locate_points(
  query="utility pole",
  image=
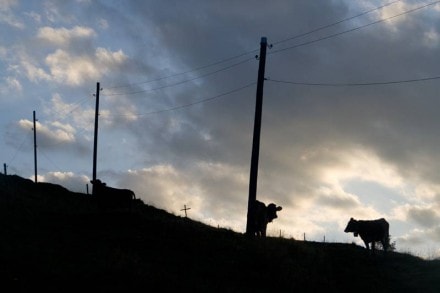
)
(35, 148)
(250, 229)
(5, 167)
(95, 141)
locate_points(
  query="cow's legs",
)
(263, 233)
(367, 245)
(385, 244)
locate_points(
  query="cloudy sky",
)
(350, 117)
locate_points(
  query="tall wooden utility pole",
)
(35, 148)
(250, 229)
(5, 168)
(95, 141)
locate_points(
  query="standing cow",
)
(264, 215)
(370, 231)
(112, 198)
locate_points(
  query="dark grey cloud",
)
(426, 217)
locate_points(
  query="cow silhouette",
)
(264, 215)
(370, 231)
(112, 198)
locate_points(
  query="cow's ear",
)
(279, 208)
(351, 219)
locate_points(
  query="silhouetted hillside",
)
(58, 240)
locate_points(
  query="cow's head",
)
(272, 210)
(97, 182)
(352, 226)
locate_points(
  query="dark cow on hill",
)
(112, 198)
(370, 231)
(264, 215)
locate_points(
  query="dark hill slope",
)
(57, 240)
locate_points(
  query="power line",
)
(354, 29)
(50, 160)
(355, 84)
(74, 107)
(189, 104)
(250, 51)
(186, 72)
(18, 149)
(181, 82)
(334, 23)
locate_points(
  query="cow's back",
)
(375, 230)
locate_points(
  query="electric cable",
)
(253, 51)
(180, 82)
(189, 104)
(354, 84)
(353, 29)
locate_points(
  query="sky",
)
(350, 124)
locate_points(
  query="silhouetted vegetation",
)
(53, 239)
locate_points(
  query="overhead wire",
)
(298, 45)
(181, 82)
(354, 84)
(353, 29)
(240, 55)
(187, 71)
(76, 105)
(25, 137)
(334, 23)
(188, 104)
(50, 160)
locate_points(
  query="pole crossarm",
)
(185, 209)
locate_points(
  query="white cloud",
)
(79, 113)
(31, 69)
(14, 84)
(73, 182)
(162, 185)
(50, 135)
(11, 86)
(360, 164)
(7, 16)
(110, 60)
(56, 12)
(75, 70)
(420, 242)
(35, 16)
(64, 37)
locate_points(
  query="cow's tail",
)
(387, 239)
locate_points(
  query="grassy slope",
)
(54, 239)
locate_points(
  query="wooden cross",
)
(185, 209)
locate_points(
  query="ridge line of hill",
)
(54, 239)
